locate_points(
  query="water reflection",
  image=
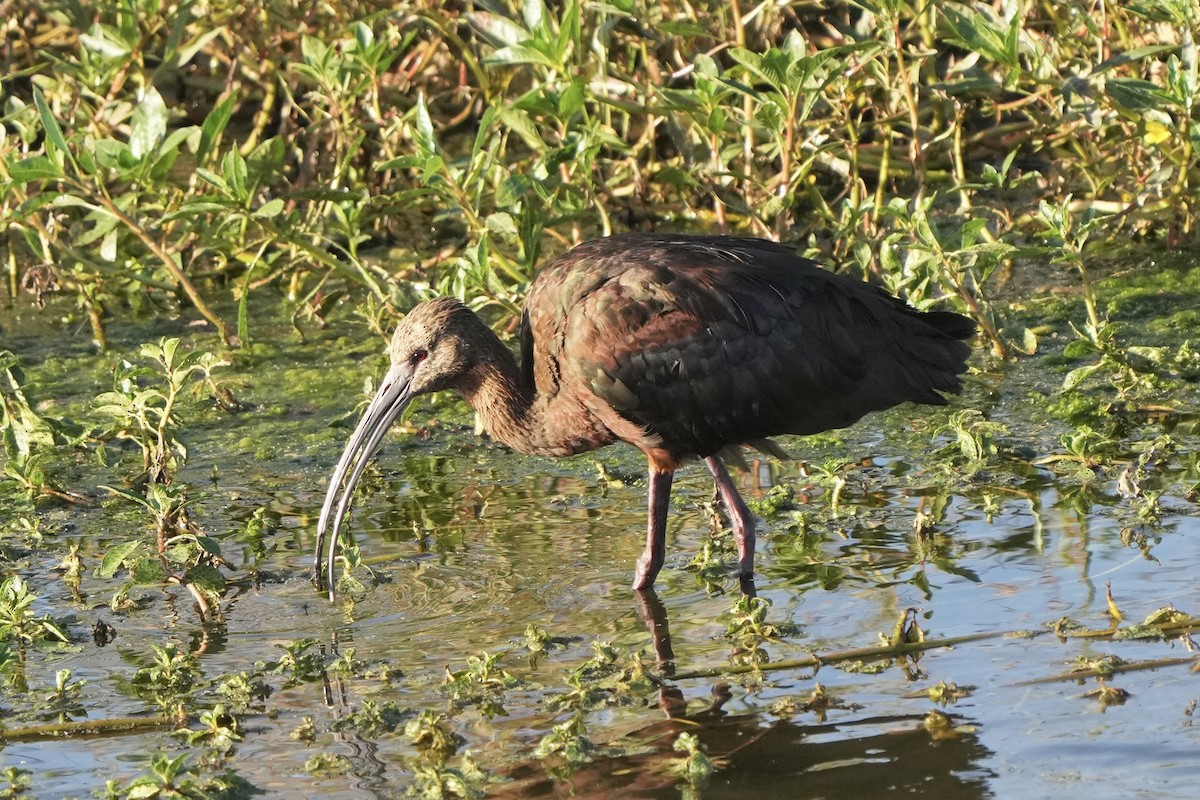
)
(766, 758)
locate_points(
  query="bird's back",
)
(708, 341)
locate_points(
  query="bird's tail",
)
(956, 326)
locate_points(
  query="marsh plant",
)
(145, 399)
(161, 163)
(18, 621)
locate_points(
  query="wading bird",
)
(683, 346)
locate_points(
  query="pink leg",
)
(651, 560)
(739, 516)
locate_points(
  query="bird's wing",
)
(705, 347)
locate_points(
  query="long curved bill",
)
(388, 403)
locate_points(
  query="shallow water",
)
(470, 544)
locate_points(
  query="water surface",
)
(471, 544)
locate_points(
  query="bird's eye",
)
(418, 356)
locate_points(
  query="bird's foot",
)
(646, 571)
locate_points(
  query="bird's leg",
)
(651, 560)
(740, 517)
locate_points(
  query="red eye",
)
(417, 357)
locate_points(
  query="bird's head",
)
(432, 350)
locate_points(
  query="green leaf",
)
(105, 224)
(206, 577)
(484, 130)
(148, 571)
(501, 223)
(314, 50)
(169, 151)
(37, 168)
(363, 35)
(569, 35)
(271, 208)
(144, 791)
(571, 100)
(980, 34)
(1078, 376)
(499, 31)
(50, 627)
(114, 558)
(112, 154)
(534, 13)
(214, 125)
(1078, 348)
(209, 545)
(194, 207)
(521, 54)
(233, 170)
(105, 41)
(148, 125)
(186, 53)
(1137, 95)
(56, 146)
(426, 139)
(970, 231)
(133, 497)
(522, 124)
(512, 189)
(1130, 56)
(674, 176)
(1029, 342)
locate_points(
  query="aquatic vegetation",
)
(298, 663)
(434, 781)
(169, 678)
(695, 766)
(482, 683)
(567, 741)
(433, 736)
(19, 622)
(243, 204)
(144, 400)
(173, 777)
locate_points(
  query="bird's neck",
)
(506, 406)
(515, 414)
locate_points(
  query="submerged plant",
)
(298, 662)
(23, 431)
(438, 781)
(244, 690)
(482, 684)
(183, 554)
(568, 741)
(219, 730)
(170, 777)
(144, 400)
(695, 766)
(373, 720)
(169, 678)
(17, 781)
(430, 733)
(19, 623)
